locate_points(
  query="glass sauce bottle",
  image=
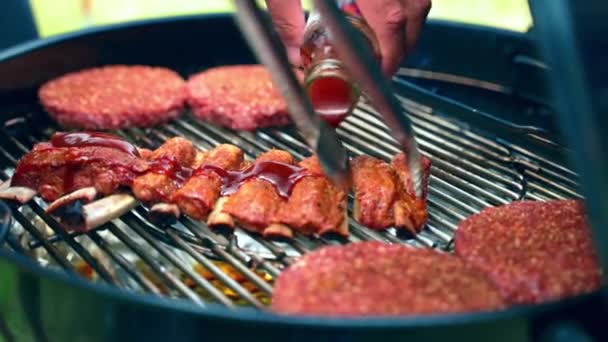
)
(332, 91)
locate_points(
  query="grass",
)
(59, 16)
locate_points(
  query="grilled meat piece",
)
(200, 193)
(375, 187)
(55, 171)
(168, 162)
(384, 196)
(410, 212)
(256, 204)
(315, 205)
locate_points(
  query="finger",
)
(388, 19)
(288, 19)
(417, 12)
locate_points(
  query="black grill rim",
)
(212, 310)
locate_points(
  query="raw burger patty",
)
(533, 251)
(241, 97)
(372, 278)
(114, 97)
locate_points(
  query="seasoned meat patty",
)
(241, 97)
(372, 278)
(533, 251)
(115, 96)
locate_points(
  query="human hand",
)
(396, 23)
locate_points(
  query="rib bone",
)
(97, 213)
(78, 197)
(164, 213)
(17, 194)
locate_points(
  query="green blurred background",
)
(59, 16)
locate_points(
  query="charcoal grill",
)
(491, 139)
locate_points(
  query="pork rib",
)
(54, 171)
(384, 195)
(159, 183)
(199, 195)
(255, 206)
(315, 206)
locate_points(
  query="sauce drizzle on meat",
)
(90, 139)
(172, 169)
(282, 176)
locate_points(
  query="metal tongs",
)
(358, 59)
(269, 49)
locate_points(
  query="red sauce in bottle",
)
(332, 99)
(86, 139)
(282, 176)
(332, 90)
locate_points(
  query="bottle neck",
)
(331, 91)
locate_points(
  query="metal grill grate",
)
(470, 171)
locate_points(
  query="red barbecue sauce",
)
(283, 177)
(90, 139)
(172, 169)
(332, 98)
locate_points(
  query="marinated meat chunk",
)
(315, 205)
(166, 174)
(55, 171)
(384, 194)
(256, 204)
(199, 195)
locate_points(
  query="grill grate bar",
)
(361, 122)
(159, 270)
(566, 174)
(216, 271)
(239, 265)
(276, 251)
(465, 197)
(134, 223)
(448, 132)
(30, 228)
(124, 263)
(465, 167)
(558, 187)
(59, 257)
